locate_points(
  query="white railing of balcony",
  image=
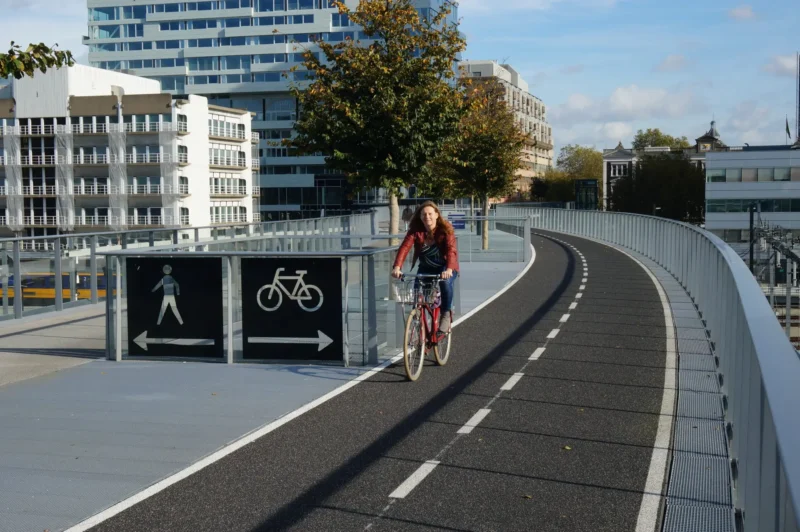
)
(37, 245)
(256, 163)
(228, 191)
(183, 189)
(228, 218)
(93, 190)
(90, 220)
(147, 189)
(149, 220)
(2, 160)
(40, 160)
(91, 158)
(39, 190)
(148, 158)
(183, 158)
(2, 220)
(256, 191)
(225, 133)
(183, 127)
(185, 219)
(2, 191)
(37, 130)
(254, 137)
(228, 162)
(40, 220)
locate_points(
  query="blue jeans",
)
(446, 287)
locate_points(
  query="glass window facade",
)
(734, 175)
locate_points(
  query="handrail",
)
(759, 365)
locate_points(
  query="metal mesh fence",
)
(65, 202)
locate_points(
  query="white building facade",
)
(85, 150)
(238, 53)
(766, 176)
(529, 111)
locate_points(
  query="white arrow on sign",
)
(142, 340)
(323, 340)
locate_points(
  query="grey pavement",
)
(79, 433)
(567, 446)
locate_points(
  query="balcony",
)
(255, 163)
(256, 191)
(91, 221)
(41, 160)
(2, 221)
(39, 190)
(228, 218)
(228, 191)
(93, 190)
(152, 158)
(150, 220)
(183, 189)
(183, 127)
(90, 159)
(185, 219)
(228, 163)
(2, 191)
(40, 220)
(147, 190)
(183, 159)
(37, 130)
(225, 133)
(254, 137)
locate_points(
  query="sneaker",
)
(444, 323)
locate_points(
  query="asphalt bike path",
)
(543, 419)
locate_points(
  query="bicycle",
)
(421, 331)
(303, 293)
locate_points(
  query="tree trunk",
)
(485, 222)
(394, 217)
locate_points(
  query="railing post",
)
(17, 280)
(175, 237)
(229, 315)
(151, 238)
(118, 306)
(58, 292)
(93, 270)
(371, 335)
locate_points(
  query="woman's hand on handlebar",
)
(397, 273)
(448, 273)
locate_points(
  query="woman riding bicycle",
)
(434, 244)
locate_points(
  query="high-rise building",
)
(84, 149)
(529, 111)
(238, 53)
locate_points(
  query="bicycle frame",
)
(277, 283)
(427, 309)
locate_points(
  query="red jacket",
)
(445, 242)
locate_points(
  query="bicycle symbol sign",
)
(308, 296)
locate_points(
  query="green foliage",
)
(483, 156)
(539, 188)
(574, 162)
(19, 63)
(560, 185)
(382, 111)
(654, 137)
(662, 184)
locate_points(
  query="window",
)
(781, 174)
(202, 43)
(749, 174)
(235, 62)
(134, 30)
(202, 24)
(269, 58)
(172, 26)
(342, 20)
(106, 32)
(100, 14)
(203, 63)
(129, 12)
(166, 8)
(715, 176)
(795, 173)
(765, 174)
(203, 80)
(266, 77)
(201, 6)
(168, 45)
(733, 175)
(172, 83)
(299, 58)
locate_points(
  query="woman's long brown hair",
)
(416, 224)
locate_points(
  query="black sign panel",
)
(175, 307)
(292, 309)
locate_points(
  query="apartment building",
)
(84, 149)
(237, 53)
(529, 111)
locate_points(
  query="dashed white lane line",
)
(553, 333)
(474, 421)
(416, 477)
(578, 295)
(573, 305)
(510, 383)
(564, 318)
(584, 279)
(536, 354)
(582, 287)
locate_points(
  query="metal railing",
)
(93, 190)
(77, 252)
(256, 191)
(40, 220)
(759, 368)
(226, 133)
(183, 189)
(49, 190)
(228, 191)
(254, 137)
(256, 163)
(3, 190)
(228, 162)
(228, 218)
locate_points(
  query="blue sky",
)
(605, 68)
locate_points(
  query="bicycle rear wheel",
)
(441, 351)
(414, 345)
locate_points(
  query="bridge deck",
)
(565, 446)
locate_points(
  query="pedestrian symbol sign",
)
(174, 307)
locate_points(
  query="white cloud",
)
(744, 12)
(672, 63)
(782, 65)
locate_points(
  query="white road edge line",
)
(249, 438)
(416, 477)
(553, 333)
(536, 354)
(511, 382)
(573, 305)
(474, 421)
(564, 318)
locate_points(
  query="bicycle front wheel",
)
(441, 351)
(414, 345)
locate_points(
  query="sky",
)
(604, 68)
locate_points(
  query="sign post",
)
(175, 307)
(292, 309)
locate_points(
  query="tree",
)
(482, 157)
(654, 137)
(665, 185)
(384, 110)
(580, 162)
(539, 188)
(560, 185)
(19, 63)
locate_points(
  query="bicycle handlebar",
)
(437, 277)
